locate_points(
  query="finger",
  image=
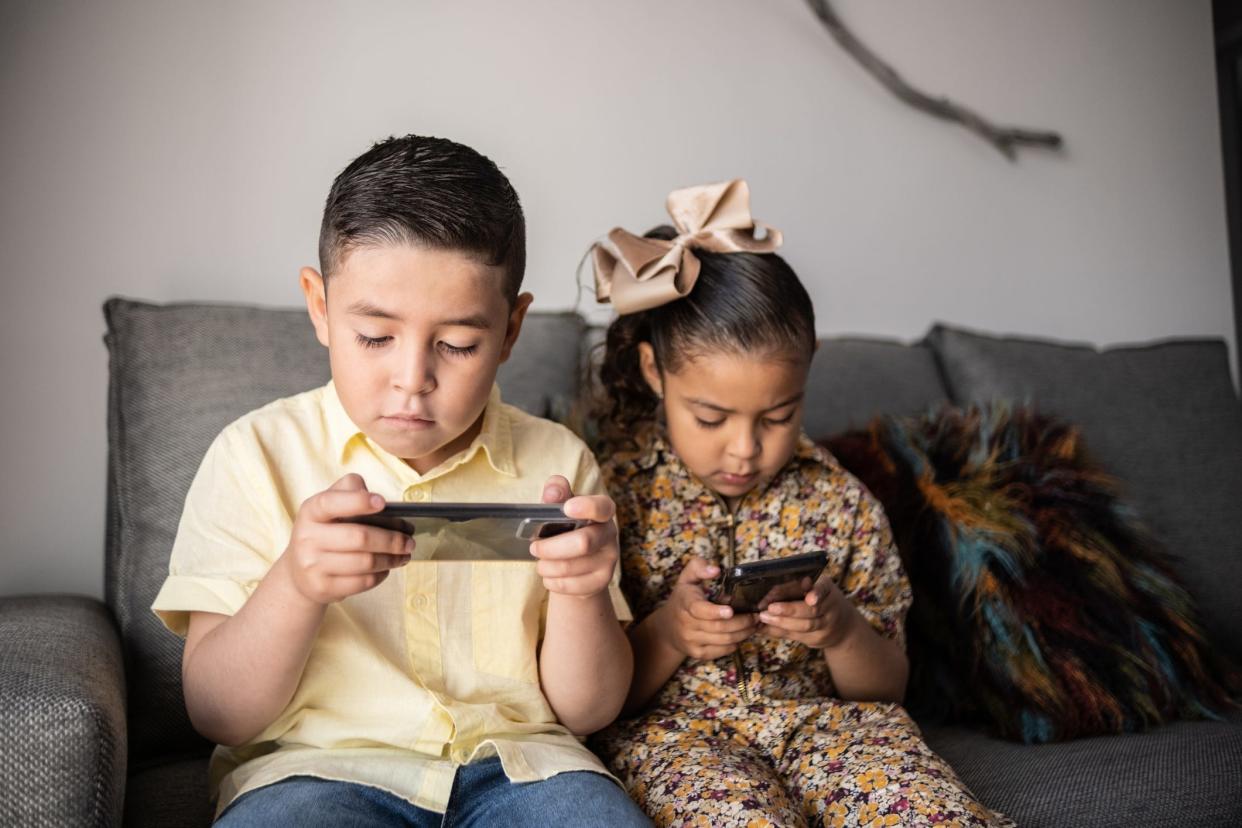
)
(582, 542)
(353, 584)
(705, 610)
(739, 623)
(697, 570)
(556, 490)
(795, 609)
(718, 639)
(358, 537)
(345, 564)
(793, 625)
(595, 508)
(572, 567)
(333, 504)
(823, 588)
(349, 483)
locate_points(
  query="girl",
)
(791, 715)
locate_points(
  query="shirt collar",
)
(495, 438)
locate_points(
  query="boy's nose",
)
(415, 375)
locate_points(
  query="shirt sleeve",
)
(588, 480)
(228, 536)
(875, 581)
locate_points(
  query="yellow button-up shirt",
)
(436, 666)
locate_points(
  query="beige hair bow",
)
(636, 273)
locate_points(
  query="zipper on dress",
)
(739, 665)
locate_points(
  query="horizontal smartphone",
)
(750, 587)
(473, 531)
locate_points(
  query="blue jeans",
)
(482, 796)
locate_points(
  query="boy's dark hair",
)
(429, 192)
(742, 303)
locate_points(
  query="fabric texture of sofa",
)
(93, 729)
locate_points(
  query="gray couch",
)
(93, 730)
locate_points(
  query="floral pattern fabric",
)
(759, 737)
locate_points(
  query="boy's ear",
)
(514, 327)
(650, 371)
(316, 302)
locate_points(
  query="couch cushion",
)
(170, 794)
(1162, 417)
(1182, 774)
(178, 374)
(852, 379)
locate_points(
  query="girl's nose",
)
(745, 444)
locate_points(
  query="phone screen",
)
(751, 587)
(473, 531)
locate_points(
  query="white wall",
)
(182, 150)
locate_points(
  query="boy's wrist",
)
(591, 601)
(280, 578)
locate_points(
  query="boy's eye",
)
(708, 423)
(372, 341)
(458, 350)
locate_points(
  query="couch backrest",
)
(853, 379)
(178, 374)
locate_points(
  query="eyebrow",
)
(365, 308)
(704, 403)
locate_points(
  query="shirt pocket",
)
(506, 611)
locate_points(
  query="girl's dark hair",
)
(742, 303)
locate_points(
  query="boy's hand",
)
(822, 619)
(580, 562)
(328, 560)
(697, 627)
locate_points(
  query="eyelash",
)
(710, 424)
(452, 350)
(372, 341)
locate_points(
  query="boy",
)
(344, 684)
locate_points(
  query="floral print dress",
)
(759, 737)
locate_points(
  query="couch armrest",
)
(62, 713)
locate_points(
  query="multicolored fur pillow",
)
(1042, 608)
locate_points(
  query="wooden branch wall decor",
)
(1006, 139)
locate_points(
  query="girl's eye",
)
(709, 423)
(779, 422)
(457, 351)
(372, 341)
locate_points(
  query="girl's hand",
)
(822, 619)
(580, 562)
(696, 627)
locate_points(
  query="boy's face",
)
(415, 336)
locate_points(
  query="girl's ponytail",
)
(625, 401)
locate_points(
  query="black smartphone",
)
(751, 587)
(473, 531)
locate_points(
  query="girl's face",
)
(733, 419)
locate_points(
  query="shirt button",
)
(416, 494)
(420, 601)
